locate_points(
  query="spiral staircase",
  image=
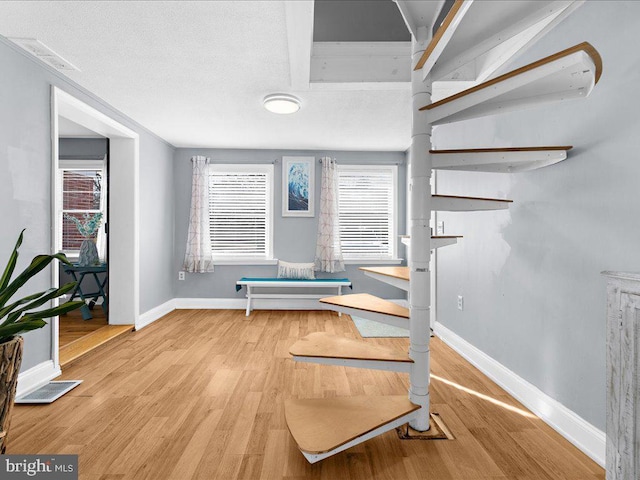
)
(475, 39)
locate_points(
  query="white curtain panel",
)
(199, 258)
(328, 249)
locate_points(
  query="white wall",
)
(25, 177)
(534, 299)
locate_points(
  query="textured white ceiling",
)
(195, 73)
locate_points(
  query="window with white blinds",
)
(367, 205)
(83, 193)
(241, 211)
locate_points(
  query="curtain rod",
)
(277, 160)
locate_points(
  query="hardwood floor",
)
(73, 327)
(78, 337)
(199, 394)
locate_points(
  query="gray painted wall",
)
(25, 176)
(294, 238)
(358, 21)
(534, 297)
(89, 148)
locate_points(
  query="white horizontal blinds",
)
(82, 194)
(239, 211)
(366, 202)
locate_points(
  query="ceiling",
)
(195, 72)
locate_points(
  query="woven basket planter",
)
(10, 359)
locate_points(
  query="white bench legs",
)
(252, 284)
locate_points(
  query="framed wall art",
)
(298, 179)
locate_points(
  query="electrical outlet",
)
(440, 228)
(460, 302)
(181, 276)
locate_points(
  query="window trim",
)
(268, 169)
(393, 234)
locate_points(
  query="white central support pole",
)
(420, 251)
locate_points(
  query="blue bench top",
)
(316, 281)
(271, 279)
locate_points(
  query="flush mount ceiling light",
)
(281, 103)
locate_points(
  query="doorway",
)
(120, 240)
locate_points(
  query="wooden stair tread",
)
(438, 237)
(325, 345)
(584, 46)
(368, 303)
(396, 272)
(571, 73)
(503, 149)
(474, 198)
(498, 160)
(485, 35)
(320, 425)
(436, 241)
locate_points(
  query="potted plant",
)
(18, 316)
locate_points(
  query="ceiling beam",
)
(299, 15)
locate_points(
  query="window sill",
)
(374, 261)
(245, 261)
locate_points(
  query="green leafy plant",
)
(18, 317)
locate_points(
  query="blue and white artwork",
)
(297, 186)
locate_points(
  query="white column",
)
(420, 251)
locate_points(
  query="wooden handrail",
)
(507, 149)
(584, 46)
(474, 198)
(446, 23)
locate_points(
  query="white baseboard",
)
(589, 439)
(155, 313)
(256, 304)
(35, 377)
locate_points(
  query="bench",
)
(335, 284)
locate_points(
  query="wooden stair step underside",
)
(325, 426)
(395, 276)
(370, 307)
(452, 203)
(436, 242)
(401, 273)
(324, 348)
(571, 73)
(498, 160)
(477, 37)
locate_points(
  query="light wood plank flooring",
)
(72, 326)
(199, 394)
(78, 337)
